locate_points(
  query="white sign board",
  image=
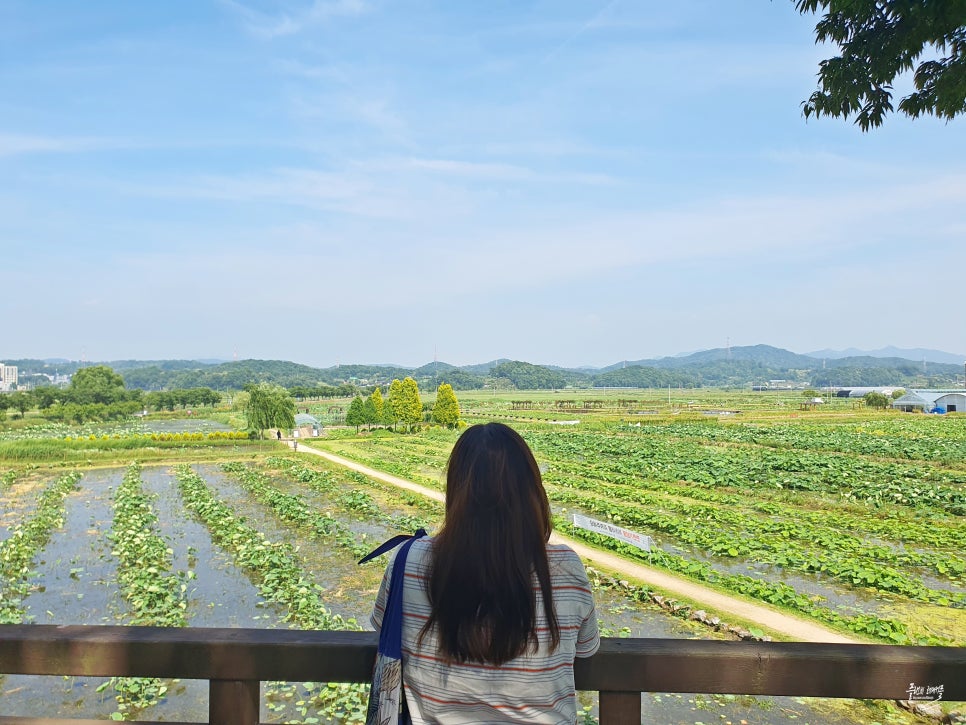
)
(641, 541)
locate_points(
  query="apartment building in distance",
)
(8, 377)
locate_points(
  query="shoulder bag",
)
(387, 703)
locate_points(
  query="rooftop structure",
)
(928, 401)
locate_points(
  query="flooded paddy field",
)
(18, 501)
(75, 581)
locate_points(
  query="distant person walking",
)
(279, 434)
(493, 615)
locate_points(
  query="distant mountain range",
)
(720, 367)
(915, 353)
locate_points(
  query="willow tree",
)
(269, 406)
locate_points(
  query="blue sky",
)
(572, 182)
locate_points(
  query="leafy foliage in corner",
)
(881, 40)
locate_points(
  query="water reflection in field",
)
(76, 584)
(18, 501)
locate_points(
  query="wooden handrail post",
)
(620, 708)
(233, 702)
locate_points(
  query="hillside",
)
(719, 367)
(915, 353)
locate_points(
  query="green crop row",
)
(737, 530)
(914, 438)
(876, 483)
(868, 523)
(353, 499)
(294, 510)
(218, 435)
(26, 540)
(275, 570)
(382, 454)
(144, 559)
(156, 596)
(893, 523)
(772, 592)
(85, 449)
(658, 468)
(831, 555)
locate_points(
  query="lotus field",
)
(857, 523)
(860, 525)
(267, 544)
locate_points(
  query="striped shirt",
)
(533, 688)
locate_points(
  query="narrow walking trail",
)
(772, 619)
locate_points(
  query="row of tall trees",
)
(94, 393)
(304, 392)
(402, 406)
(99, 393)
(181, 397)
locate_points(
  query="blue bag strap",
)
(390, 633)
(391, 544)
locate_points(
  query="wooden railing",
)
(236, 661)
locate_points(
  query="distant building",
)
(8, 377)
(861, 392)
(927, 401)
(308, 426)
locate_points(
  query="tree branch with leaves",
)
(879, 40)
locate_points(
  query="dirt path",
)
(772, 619)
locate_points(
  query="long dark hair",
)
(492, 543)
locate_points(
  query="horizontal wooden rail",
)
(236, 661)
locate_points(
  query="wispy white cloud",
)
(594, 21)
(354, 191)
(290, 22)
(300, 69)
(776, 231)
(541, 146)
(374, 111)
(504, 172)
(300, 187)
(18, 144)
